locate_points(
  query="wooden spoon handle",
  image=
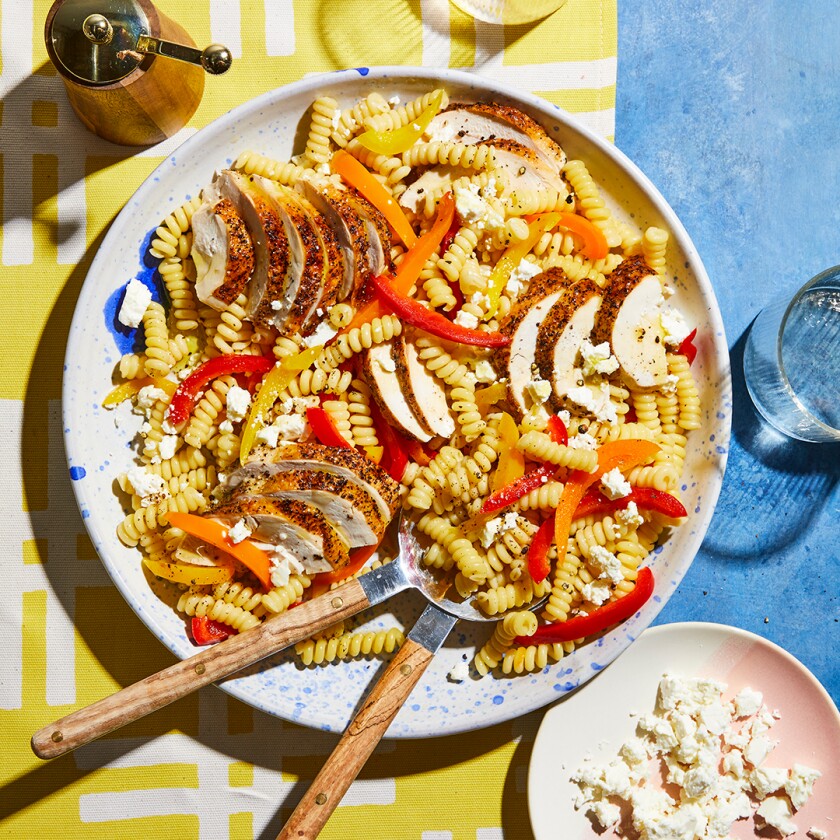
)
(358, 742)
(220, 660)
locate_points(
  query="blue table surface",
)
(732, 108)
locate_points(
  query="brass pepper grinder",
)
(116, 60)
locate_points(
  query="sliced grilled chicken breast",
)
(264, 461)
(567, 324)
(289, 306)
(222, 251)
(300, 529)
(349, 229)
(273, 249)
(435, 181)
(422, 390)
(349, 509)
(379, 366)
(523, 169)
(629, 319)
(482, 121)
(522, 324)
(379, 244)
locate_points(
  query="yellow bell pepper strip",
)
(399, 140)
(595, 244)
(511, 463)
(215, 533)
(513, 256)
(187, 574)
(411, 265)
(414, 313)
(206, 631)
(186, 395)
(272, 386)
(622, 454)
(134, 386)
(599, 619)
(374, 453)
(645, 498)
(355, 174)
(325, 429)
(486, 397)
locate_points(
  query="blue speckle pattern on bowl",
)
(98, 442)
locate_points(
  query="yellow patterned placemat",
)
(208, 766)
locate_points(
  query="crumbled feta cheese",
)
(583, 440)
(276, 305)
(167, 428)
(484, 372)
(137, 299)
(630, 516)
(459, 672)
(598, 403)
(473, 209)
(322, 334)
(606, 813)
(167, 446)
(149, 395)
(776, 812)
(521, 277)
(300, 404)
(606, 564)
(757, 750)
(466, 319)
(800, 784)
(267, 435)
(147, 485)
(767, 780)
(596, 592)
(386, 363)
(669, 386)
(226, 427)
(674, 327)
(614, 485)
(240, 531)
(290, 427)
(539, 390)
(238, 402)
(816, 833)
(597, 358)
(283, 565)
(733, 763)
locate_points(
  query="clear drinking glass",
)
(509, 11)
(792, 361)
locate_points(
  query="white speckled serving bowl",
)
(98, 441)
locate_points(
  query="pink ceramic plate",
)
(596, 720)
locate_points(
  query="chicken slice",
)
(422, 390)
(222, 251)
(482, 121)
(300, 529)
(523, 169)
(350, 464)
(274, 251)
(379, 244)
(379, 366)
(522, 324)
(629, 319)
(562, 331)
(348, 508)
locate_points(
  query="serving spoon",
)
(273, 635)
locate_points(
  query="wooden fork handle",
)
(220, 660)
(358, 742)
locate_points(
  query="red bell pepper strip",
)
(582, 626)
(450, 234)
(355, 174)
(557, 430)
(541, 543)
(206, 631)
(414, 313)
(411, 265)
(646, 498)
(325, 429)
(214, 533)
(620, 453)
(186, 395)
(357, 559)
(395, 458)
(687, 347)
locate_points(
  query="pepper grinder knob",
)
(216, 59)
(98, 29)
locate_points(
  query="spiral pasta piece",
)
(166, 237)
(654, 244)
(522, 659)
(252, 163)
(452, 262)
(349, 646)
(320, 127)
(545, 497)
(279, 598)
(339, 412)
(340, 315)
(233, 333)
(540, 447)
(688, 396)
(514, 624)
(449, 154)
(433, 478)
(589, 199)
(159, 360)
(403, 115)
(350, 120)
(148, 518)
(392, 169)
(201, 604)
(469, 561)
(183, 461)
(510, 596)
(180, 292)
(361, 420)
(202, 425)
(563, 591)
(378, 331)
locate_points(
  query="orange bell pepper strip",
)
(622, 454)
(401, 139)
(595, 244)
(134, 386)
(357, 176)
(357, 559)
(214, 533)
(511, 465)
(411, 265)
